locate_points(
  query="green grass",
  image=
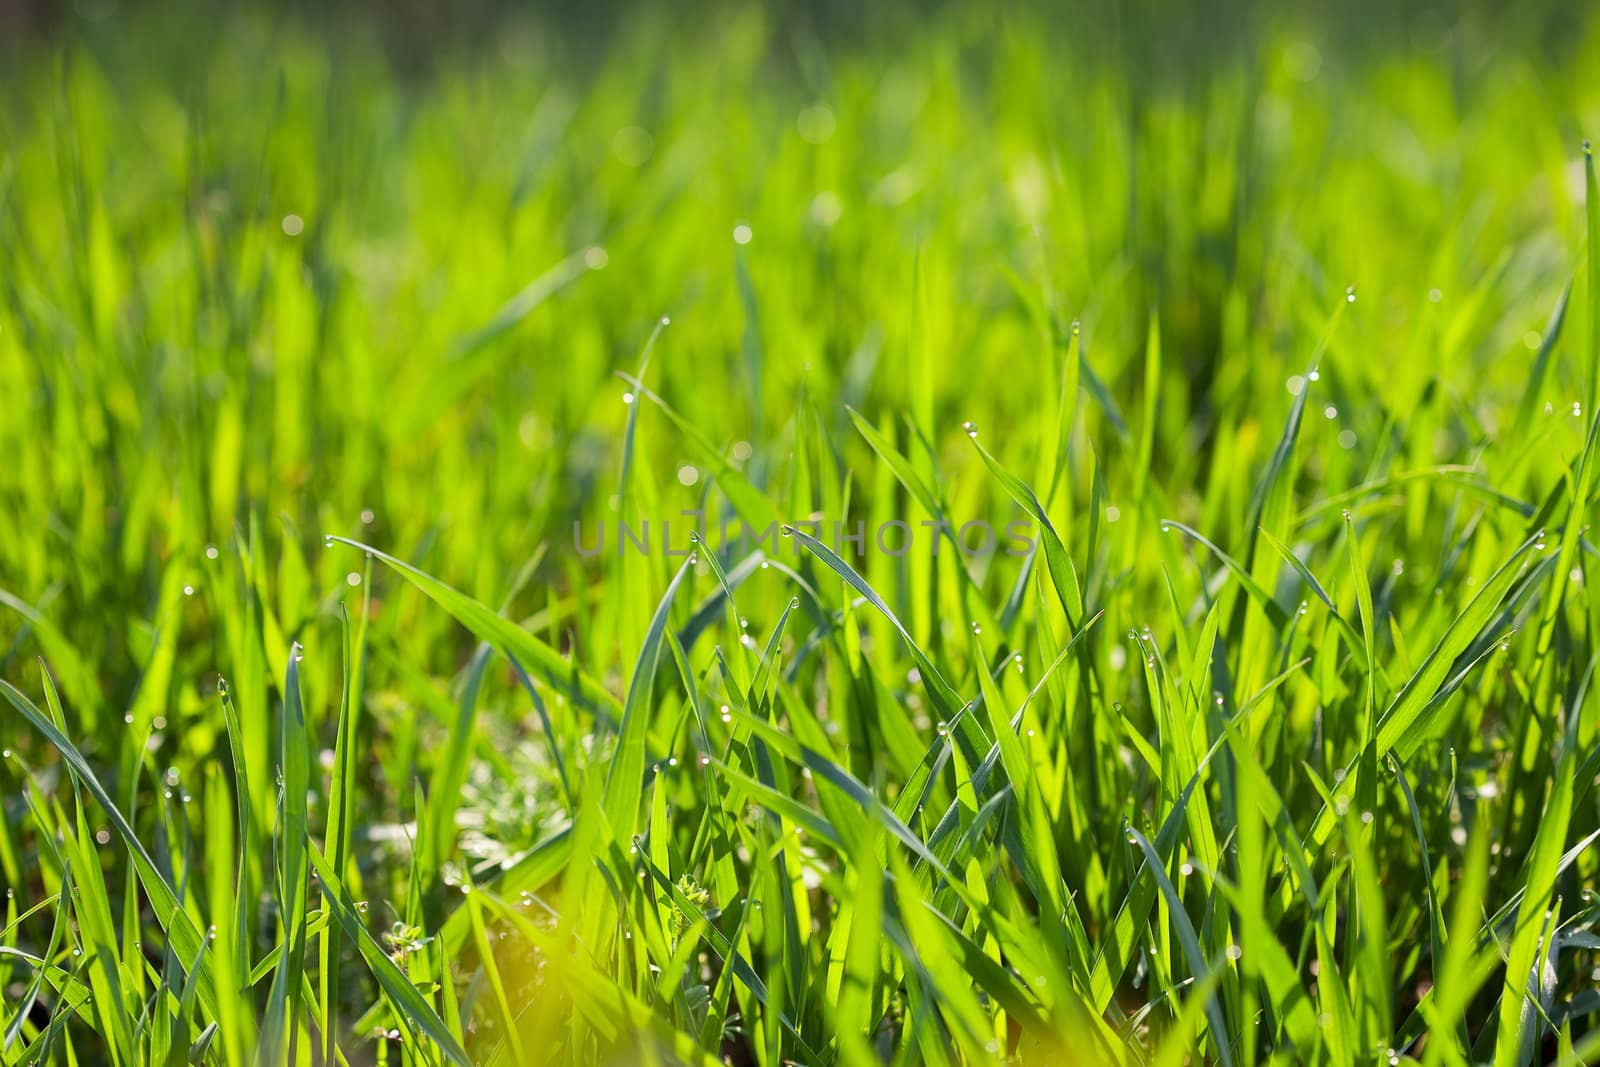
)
(326, 743)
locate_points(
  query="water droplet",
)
(627, 398)
(941, 728)
(742, 234)
(353, 578)
(1315, 375)
(976, 629)
(211, 552)
(970, 428)
(1350, 294)
(666, 320)
(188, 590)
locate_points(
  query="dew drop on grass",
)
(970, 428)
(353, 578)
(1315, 375)
(1350, 294)
(627, 398)
(976, 629)
(188, 590)
(211, 552)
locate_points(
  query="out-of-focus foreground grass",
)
(1275, 330)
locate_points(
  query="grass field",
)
(344, 722)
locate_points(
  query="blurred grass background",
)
(1229, 175)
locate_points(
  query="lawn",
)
(920, 534)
